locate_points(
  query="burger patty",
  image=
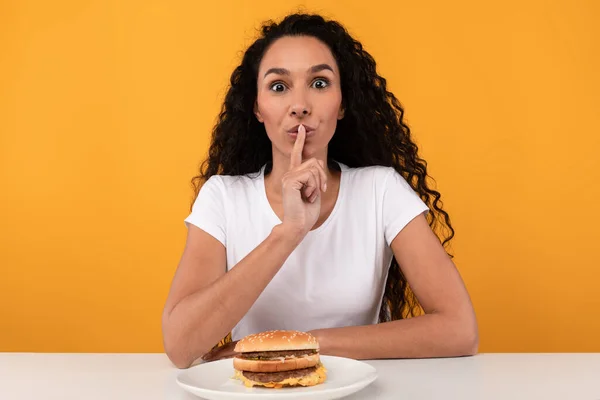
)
(273, 354)
(266, 377)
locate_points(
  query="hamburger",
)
(276, 359)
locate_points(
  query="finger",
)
(321, 167)
(316, 178)
(225, 351)
(219, 356)
(303, 181)
(296, 156)
(299, 180)
(314, 196)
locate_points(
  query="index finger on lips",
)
(296, 156)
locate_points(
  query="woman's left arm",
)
(447, 329)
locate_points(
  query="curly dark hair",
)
(372, 132)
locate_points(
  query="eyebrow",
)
(313, 70)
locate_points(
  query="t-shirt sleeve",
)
(401, 204)
(208, 211)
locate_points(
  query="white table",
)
(152, 377)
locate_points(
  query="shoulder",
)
(376, 174)
(380, 181)
(232, 183)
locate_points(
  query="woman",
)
(313, 212)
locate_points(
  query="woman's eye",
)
(278, 87)
(320, 83)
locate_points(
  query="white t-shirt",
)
(336, 276)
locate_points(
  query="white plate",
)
(213, 381)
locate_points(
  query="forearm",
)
(203, 318)
(430, 335)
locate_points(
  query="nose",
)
(300, 110)
(300, 106)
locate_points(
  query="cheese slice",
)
(314, 378)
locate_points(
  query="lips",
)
(295, 129)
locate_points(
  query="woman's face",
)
(299, 83)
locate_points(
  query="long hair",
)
(372, 132)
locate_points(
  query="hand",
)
(302, 186)
(221, 352)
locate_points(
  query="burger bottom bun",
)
(289, 364)
(314, 378)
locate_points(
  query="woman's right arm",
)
(205, 303)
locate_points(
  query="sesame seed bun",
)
(277, 340)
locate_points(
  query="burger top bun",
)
(277, 341)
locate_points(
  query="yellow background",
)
(105, 114)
